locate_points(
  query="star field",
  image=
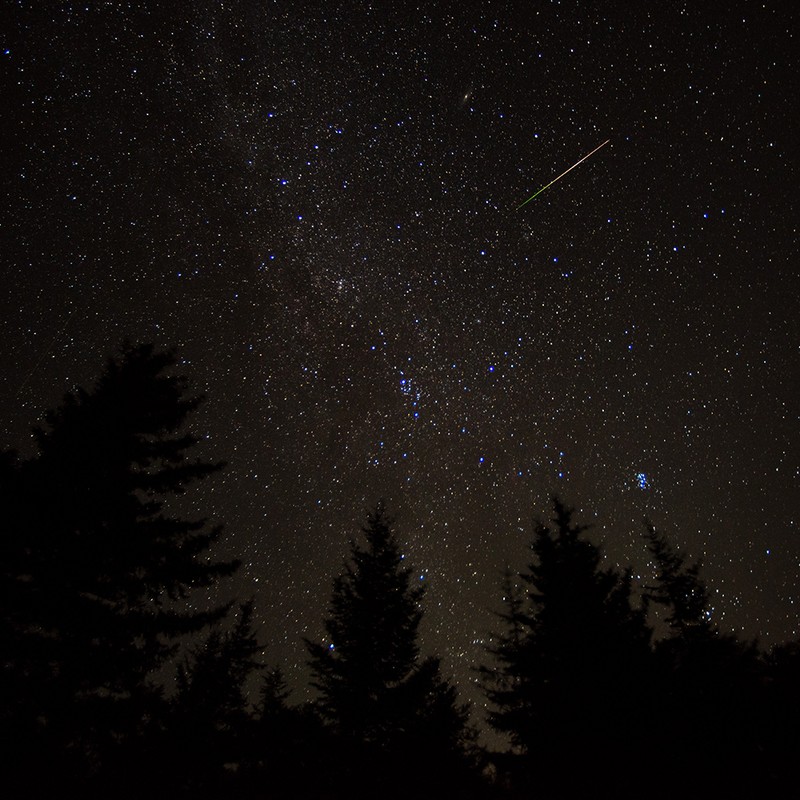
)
(315, 205)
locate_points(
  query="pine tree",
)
(371, 647)
(678, 586)
(779, 725)
(568, 668)
(707, 688)
(385, 704)
(103, 565)
(285, 752)
(274, 694)
(212, 680)
(211, 721)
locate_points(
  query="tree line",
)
(97, 620)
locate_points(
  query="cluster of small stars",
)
(319, 212)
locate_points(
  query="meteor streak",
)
(563, 174)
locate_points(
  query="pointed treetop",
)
(678, 585)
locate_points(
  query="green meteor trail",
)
(563, 174)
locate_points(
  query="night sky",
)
(317, 206)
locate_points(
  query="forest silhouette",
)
(98, 577)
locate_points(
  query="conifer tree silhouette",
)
(569, 665)
(212, 679)
(99, 560)
(678, 586)
(285, 751)
(211, 719)
(385, 704)
(779, 725)
(708, 685)
(371, 646)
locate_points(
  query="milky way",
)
(314, 204)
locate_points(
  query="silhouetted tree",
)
(780, 720)
(569, 668)
(678, 586)
(274, 693)
(212, 679)
(100, 562)
(372, 636)
(211, 719)
(708, 685)
(286, 750)
(385, 705)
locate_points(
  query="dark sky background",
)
(316, 204)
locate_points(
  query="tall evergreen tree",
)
(285, 753)
(211, 720)
(708, 684)
(568, 669)
(371, 646)
(101, 563)
(678, 587)
(384, 703)
(780, 721)
(212, 680)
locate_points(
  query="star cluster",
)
(316, 205)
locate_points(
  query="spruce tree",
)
(103, 565)
(383, 702)
(678, 587)
(211, 721)
(213, 679)
(285, 752)
(568, 667)
(779, 725)
(371, 647)
(708, 685)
